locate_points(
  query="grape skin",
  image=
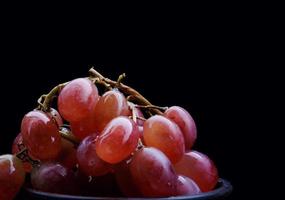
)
(200, 168)
(77, 99)
(118, 140)
(41, 135)
(162, 133)
(12, 176)
(153, 173)
(185, 122)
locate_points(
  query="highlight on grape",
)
(106, 139)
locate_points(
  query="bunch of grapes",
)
(109, 143)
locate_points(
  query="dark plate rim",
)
(224, 189)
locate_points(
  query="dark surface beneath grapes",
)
(214, 69)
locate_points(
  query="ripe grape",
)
(153, 173)
(53, 177)
(124, 179)
(12, 176)
(185, 122)
(54, 114)
(199, 168)
(40, 135)
(83, 128)
(186, 186)
(118, 140)
(77, 99)
(165, 135)
(112, 104)
(88, 160)
(15, 149)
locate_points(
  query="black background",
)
(212, 64)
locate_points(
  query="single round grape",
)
(83, 128)
(199, 168)
(153, 173)
(88, 160)
(185, 122)
(162, 133)
(40, 135)
(18, 141)
(186, 186)
(118, 140)
(124, 179)
(53, 177)
(12, 176)
(54, 114)
(77, 99)
(112, 104)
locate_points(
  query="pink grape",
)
(153, 173)
(77, 99)
(88, 160)
(41, 135)
(112, 104)
(118, 140)
(12, 176)
(199, 168)
(162, 133)
(185, 122)
(186, 186)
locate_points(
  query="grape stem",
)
(132, 93)
(46, 99)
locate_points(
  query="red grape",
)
(12, 176)
(112, 104)
(88, 160)
(185, 122)
(199, 168)
(186, 186)
(124, 179)
(77, 99)
(153, 173)
(15, 149)
(54, 114)
(83, 128)
(40, 135)
(165, 135)
(118, 140)
(53, 177)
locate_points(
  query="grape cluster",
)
(114, 144)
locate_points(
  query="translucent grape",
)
(165, 135)
(112, 104)
(199, 168)
(88, 160)
(185, 122)
(40, 135)
(125, 181)
(77, 99)
(118, 140)
(153, 173)
(186, 186)
(83, 128)
(12, 176)
(53, 177)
